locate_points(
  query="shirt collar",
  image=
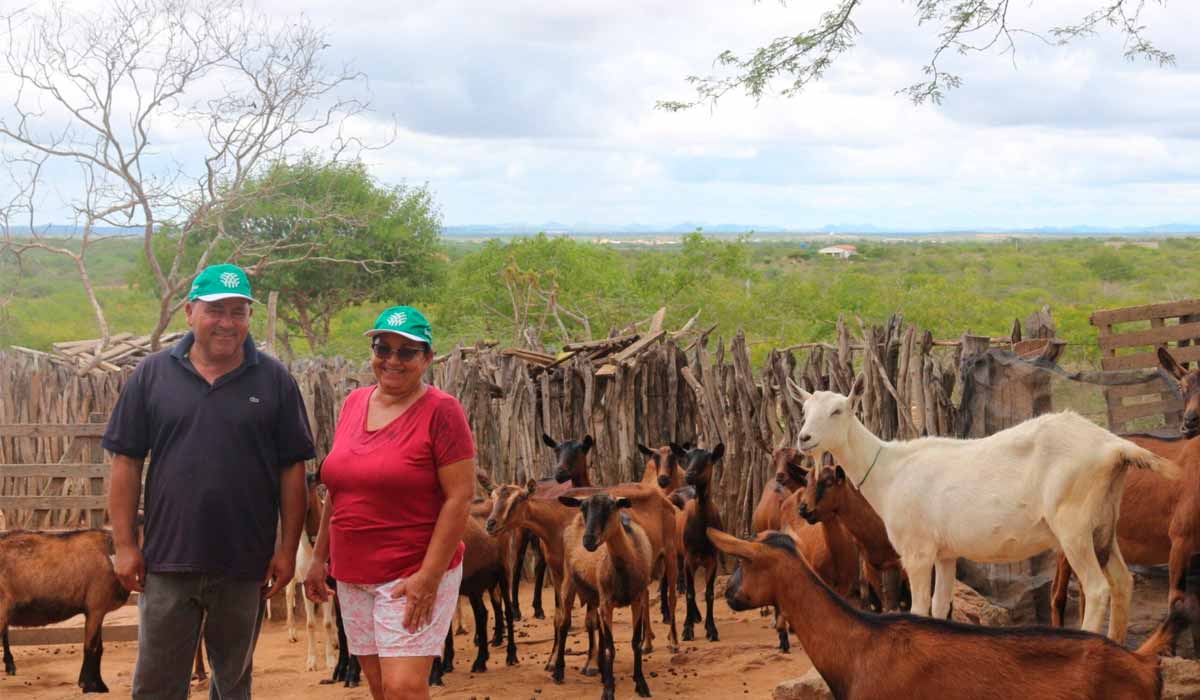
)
(250, 355)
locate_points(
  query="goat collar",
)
(864, 479)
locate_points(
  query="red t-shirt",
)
(383, 485)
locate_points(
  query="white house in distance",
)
(842, 251)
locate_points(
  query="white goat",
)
(1052, 480)
(303, 561)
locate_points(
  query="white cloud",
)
(527, 111)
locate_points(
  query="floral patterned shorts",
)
(374, 620)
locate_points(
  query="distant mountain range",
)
(630, 230)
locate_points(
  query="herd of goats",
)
(852, 530)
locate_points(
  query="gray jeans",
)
(170, 613)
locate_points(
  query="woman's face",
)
(400, 369)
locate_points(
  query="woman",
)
(400, 480)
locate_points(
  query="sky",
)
(527, 112)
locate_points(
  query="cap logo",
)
(397, 319)
(229, 279)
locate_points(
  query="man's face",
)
(220, 326)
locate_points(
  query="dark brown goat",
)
(49, 577)
(830, 498)
(698, 514)
(863, 656)
(791, 467)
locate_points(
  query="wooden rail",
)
(1174, 325)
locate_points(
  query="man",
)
(227, 434)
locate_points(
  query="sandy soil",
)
(745, 663)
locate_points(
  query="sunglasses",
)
(405, 354)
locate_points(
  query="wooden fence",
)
(652, 392)
(1128, 339)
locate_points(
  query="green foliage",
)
(1110, 266)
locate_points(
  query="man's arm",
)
(124, 492)
(293, 503)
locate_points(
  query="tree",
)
(337, 209)
(966, 27)
(114, 93)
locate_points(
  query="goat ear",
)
(827, 459)
(1167, 361)
(485, 480)
(678, 450)
(839, 474)
(587, 443)
(802, 478)
(623, 502)
(729, 544)
(531, 486)
(856, 391)
(718, 451)
(569, 501)
(797, 391)
(645, 450)
(549, 441)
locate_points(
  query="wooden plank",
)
(69, 471)
(1139, 360)
(53, 502)
(41, 430)
(1154, 336)
(1107, 317)
(30, 636)
(629, 352)
(1121, 414)
(1157, 386)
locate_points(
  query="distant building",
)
(842, 251)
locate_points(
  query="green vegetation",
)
(780, 292)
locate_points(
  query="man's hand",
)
(279, 573)
(130, 568)
(316, 588)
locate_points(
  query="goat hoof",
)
(712, 636)
(447, 666)
(688, 635)
(10, 669)
(539, 615)
(643, 690)
(589, 672)
(96, 686)
(511, 659)
(557, 676)
(479, 667)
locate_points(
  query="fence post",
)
(97, 486)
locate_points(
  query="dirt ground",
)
(745, 663)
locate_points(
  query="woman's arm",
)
(458, 483)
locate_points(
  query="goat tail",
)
(1181, 617)
(1139, 457)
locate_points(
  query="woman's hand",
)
(421, 591)
(316, 588)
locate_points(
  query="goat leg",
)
(481, 639)
(590, 623)
(498, 613)
(539, 580)
(641, 619)
(710, 624)
(519, 568)
(435, 670)
(93, 648)
(10, 666)
(510, 657)
(785, 642)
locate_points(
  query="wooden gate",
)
(1129, 338)
(68, 494)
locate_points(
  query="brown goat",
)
(483, 572)
(830, 498)
(698, 514)
(610, 562)
(1159, 519)
(570, 471)
(49, 577)
(863, 655)
(516, 509)
(662, 469)
(790, 472)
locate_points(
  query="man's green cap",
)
(217, 282)
(405, 321)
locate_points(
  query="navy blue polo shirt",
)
(216, 451)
